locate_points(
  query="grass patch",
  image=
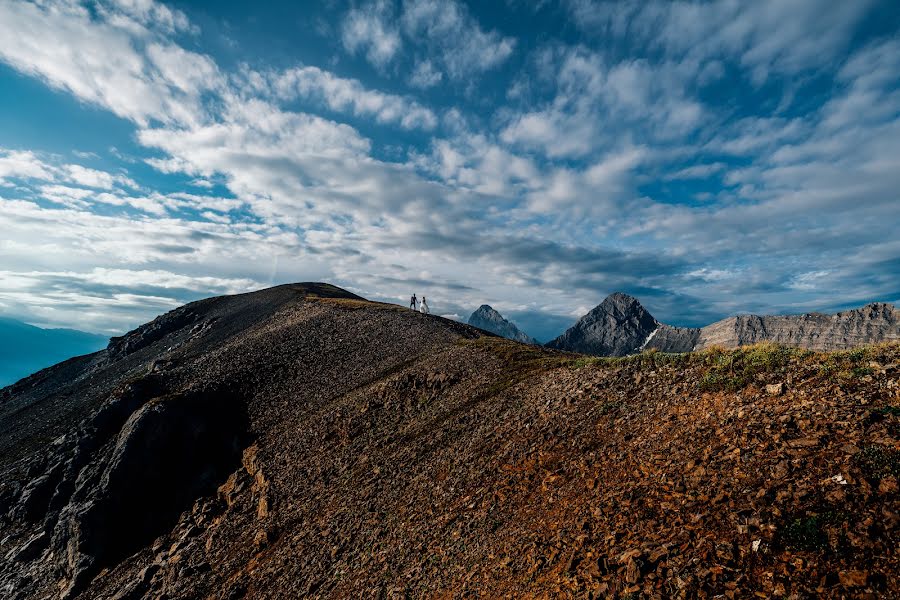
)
(732, 370)
(878, 462)
(585, 361)
(806, 533)
(861, 371)
(611, 406)
(647, 358)
(887, 411)
(845, 366)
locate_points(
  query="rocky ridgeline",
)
(620, 325)
(873, 323)
(300, 442)
(490, 320)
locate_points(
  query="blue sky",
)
(711, 158)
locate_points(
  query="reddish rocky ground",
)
(380, 453)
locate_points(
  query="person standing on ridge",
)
(413, 301)
(424, 306)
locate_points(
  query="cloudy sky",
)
(710, 158)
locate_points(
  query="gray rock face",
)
(616, 327)
(674, 339)
(621, 326)
(873, 323)
(490, 320)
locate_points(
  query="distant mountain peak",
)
(487, 318)
(620, 325)
(617, 326)
(622, 303)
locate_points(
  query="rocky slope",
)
(620, 325)
(301, 442)
(490, 320)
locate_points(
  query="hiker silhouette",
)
(413, 301)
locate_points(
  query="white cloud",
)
(96, 179)
(454, 38)
(99, 59)
(23, 164)
(766, 36)
(368, 30)
(424, 75)
(596, 101)
(349, 95)
(701, 171)
(148, 13)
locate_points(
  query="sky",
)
(710, 158)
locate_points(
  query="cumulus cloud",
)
(349, 95)
(424, 75)
(583, 184)
(455, 43)
(768, 36)
(23, 164)
(18, 164)
(595, 99)
(456, 40)
(99, 59)
(368, 30)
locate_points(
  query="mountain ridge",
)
(620, 325)
(301, 441)
(487, 318)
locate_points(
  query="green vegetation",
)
(648, 358)
(611, 406)
(732, 370)
(585, 361)
(878, 462)
(806, 533)
(846, 365)
(886, 411)
(861, 371)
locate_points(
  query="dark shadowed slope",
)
(490, 320)
(620, 326)
(302, 442)
(25, 349)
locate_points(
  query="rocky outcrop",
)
(617, 326)
(877, 322)
(490, 320)
(621, 326)
(673, 339)
(123, 476)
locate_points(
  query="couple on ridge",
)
(413, 304)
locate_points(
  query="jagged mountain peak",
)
(487, 318)
(617, 326)
(620, 303)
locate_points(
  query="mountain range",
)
(25, 348)
(620, 326)
(490, 320)
(301, 441)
